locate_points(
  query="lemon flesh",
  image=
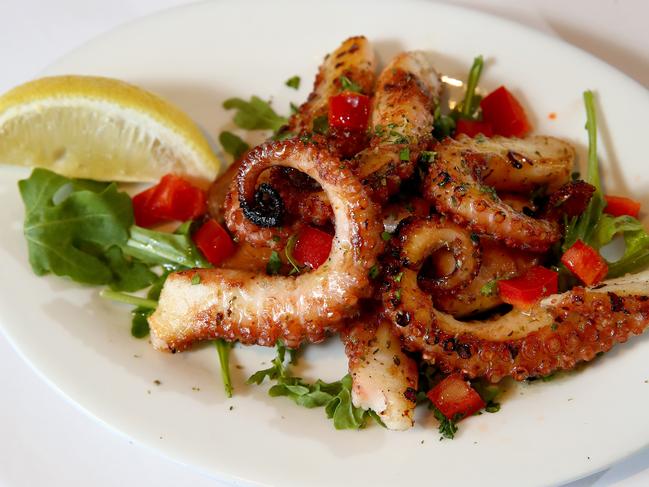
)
(102, 129)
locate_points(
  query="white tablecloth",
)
(45, 440)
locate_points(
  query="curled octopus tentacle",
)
(555, 334)
(497, 262)
(255, 308)
(384, 378)
(458, 184)
(419, 238)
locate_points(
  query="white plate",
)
(197, 56)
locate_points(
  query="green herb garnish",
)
(293, 82)
(288, 251)
(76, 228)
(468, 107)
(596, 228)
(223, 349)
(233, 144)
(348, 85)
(274, 264)
(255, 114)
(490, 288)
(335, 397)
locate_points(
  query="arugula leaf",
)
(71, 224)
(334, 396)
(443, 125)
(140, 322)
(596, 228)
(176, 250)
(468, 107)
(293, 82)
(140, 315)
(223, 349)
(128, 275)
(233, 144)
(255, 114)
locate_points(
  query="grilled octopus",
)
(254, 308)
(476, 223)
(461, 181)
(384, 378)
(555, 334)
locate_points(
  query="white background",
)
(45, 440)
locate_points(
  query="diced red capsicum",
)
(349, 111)
(585, 262)
(524, 291)
(619, 205)
(214, 242)
(504, 113)
(455, 398)
(173, 198)
(144, 216)
(312, 247)
(473, 128)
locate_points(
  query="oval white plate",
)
(546, 433)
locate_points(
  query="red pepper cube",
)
(505, 114)
(177, 199)
(619, 206)
(454, 397)
(349, 111)
(214, 242)
(312, 247)
(473, 128)
(144, 216)
(585, 262)
(525, 291)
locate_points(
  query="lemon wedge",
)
(102, 129)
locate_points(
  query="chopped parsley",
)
(490, 288)
(321, 125)
(427, 156)
(386, 236)
(404, 154)
(196, 279)
(348, 85)
(447, 427)
(374, 271)
(274, 264)
(293, 82)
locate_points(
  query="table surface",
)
(48, 440)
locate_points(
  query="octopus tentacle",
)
(384, 378)
(497, 262)
(455, 184)
(261, 309)
(402, 121)
(556, 334)
(418, 238)
(354, 59)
